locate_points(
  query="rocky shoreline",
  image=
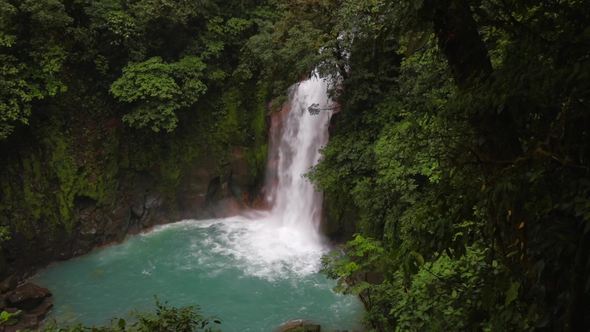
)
(24, 307)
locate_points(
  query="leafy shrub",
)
(165, 319)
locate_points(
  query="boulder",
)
(30, 304)
(299, 325)
(42, 309)
(27, 297)
(30, 320)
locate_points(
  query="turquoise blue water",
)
(221, 265)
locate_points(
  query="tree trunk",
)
(459, 39)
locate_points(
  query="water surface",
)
(228, 267)
(254, 271)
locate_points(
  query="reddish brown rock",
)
(31, 303)
(27, 297)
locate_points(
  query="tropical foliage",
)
(459, 156)
(165, 318)
(97, 95)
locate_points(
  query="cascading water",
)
(254, 271)
(286, 238)
(297, 203)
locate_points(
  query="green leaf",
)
(512, 293)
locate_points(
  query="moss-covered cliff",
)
(118, 115)
(69, 184)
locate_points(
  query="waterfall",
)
(283, 239)
(295, 203)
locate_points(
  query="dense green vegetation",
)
(98, 96)
(165, 318)
(459, 155)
